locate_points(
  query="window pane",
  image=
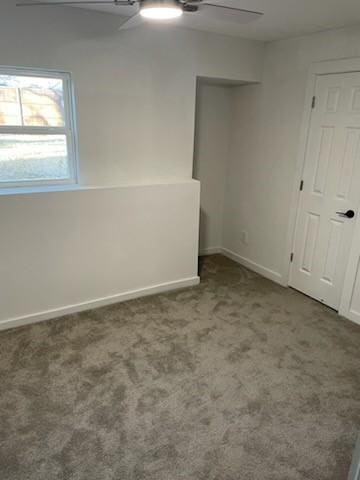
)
(31, 101)
(10, 112)
(33, 157)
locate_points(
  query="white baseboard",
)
(98, 302)
(209, 251)
(264, 271)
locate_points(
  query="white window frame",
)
(69, 128)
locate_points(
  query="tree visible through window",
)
(36, 128)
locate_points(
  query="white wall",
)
(135, 89)
(135, 96)
(263, 141)
(259, 180)
(265, 136)
(264, 144)
(210, 161)
(66, 251)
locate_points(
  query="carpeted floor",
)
(236, 379)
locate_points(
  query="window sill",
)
(38, 189)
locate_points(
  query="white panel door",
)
(331, 184)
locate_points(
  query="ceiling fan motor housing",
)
(188, 7)
(160, 3)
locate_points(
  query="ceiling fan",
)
(162, 9)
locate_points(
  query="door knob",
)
(348, 214)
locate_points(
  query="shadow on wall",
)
(200, 265)
(203, 230)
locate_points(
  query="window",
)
(37, 130)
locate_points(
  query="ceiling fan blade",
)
(228, 14)
(134, 21)
(75, 2)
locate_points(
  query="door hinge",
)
(301, 185)
(313, 101)
(291, 257)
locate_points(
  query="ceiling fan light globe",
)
(160, 9)
(161, 13)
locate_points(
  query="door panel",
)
(355, 99)
(333, 249)
(311, 234)
(332, 101)
(331, 179)
(351, 155)
(325, 148)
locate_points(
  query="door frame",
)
(326, 67)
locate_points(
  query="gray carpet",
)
(236, 379)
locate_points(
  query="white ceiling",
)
(281, 19)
